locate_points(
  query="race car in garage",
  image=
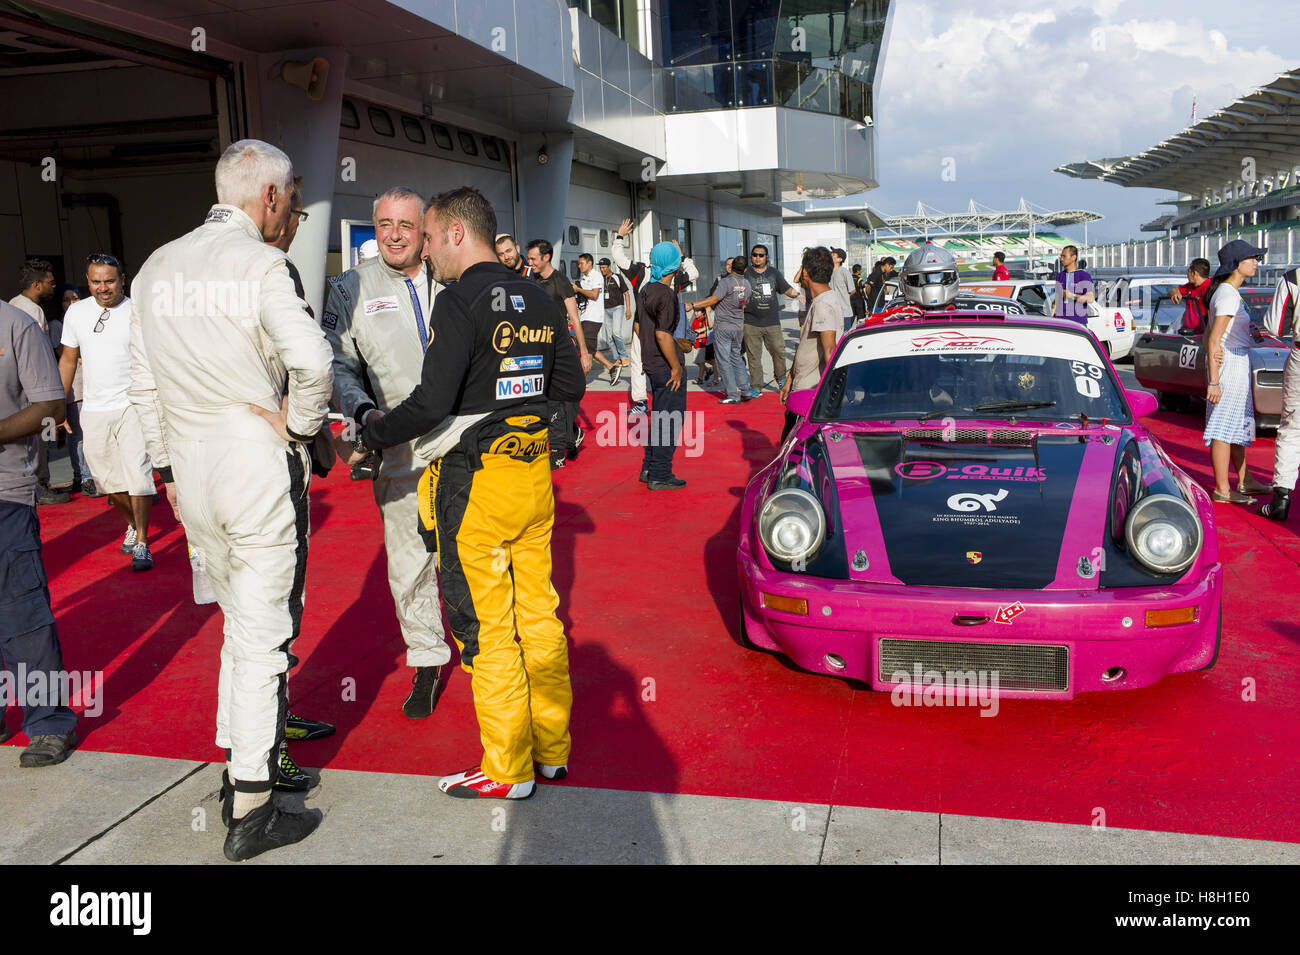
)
(1170, 359)
(969, 493)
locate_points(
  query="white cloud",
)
(1015, 92)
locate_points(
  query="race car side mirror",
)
(800, 402)
(1141, 403)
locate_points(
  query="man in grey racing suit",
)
(217, 330)
(377, 321)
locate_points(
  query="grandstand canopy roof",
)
(1263, 125)
(981, 220)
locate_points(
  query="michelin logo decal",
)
(524, 386)
(522, 363)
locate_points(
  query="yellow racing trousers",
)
(494, 559)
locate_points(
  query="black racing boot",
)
(268, 827)
(289, 778)
(1278, 508)
(301, 729)
(426, 689)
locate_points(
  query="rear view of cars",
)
(1169, 358)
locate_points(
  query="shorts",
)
(115, 452)
(591, 334)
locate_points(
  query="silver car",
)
(1170, 359)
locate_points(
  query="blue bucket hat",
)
(1230, 256)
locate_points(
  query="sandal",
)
(1236, 497)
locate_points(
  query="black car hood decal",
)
(973, 515)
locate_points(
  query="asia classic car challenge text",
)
(970, 492)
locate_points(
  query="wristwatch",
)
(357, 445)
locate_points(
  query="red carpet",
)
(666, 701)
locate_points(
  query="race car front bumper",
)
(1035, 644)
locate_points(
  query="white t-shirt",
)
(105, 354)
(592, 310)
(1227, 301)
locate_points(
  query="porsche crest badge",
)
(974, 556)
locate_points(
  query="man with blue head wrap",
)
(656, 319)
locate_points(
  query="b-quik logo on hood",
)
(521, 386)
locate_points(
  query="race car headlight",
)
(792, 525)
(1163, 533)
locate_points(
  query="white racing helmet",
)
(929, 277)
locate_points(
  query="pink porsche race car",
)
(969, 495)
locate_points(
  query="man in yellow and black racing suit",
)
(498, 351)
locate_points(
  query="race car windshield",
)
(976, 371)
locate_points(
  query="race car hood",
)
(1013, 515)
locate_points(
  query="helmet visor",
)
(922, 279)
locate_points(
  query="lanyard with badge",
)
(419, 316)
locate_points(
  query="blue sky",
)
(1001, 94)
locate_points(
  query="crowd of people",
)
(455, 363)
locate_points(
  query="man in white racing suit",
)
(1286, 452)
(217, 330)
(377, 321)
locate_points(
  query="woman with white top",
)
(1230, 408)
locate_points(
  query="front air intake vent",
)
(1010, 436)
(1018, 666)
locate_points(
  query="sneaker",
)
(624, 362)
(472, 784)
(128, 542)
(88, 489)
(426, 687)
(301, 730)
(755, 393)
(644, 476)
(141, 559)
(639, 408)
(746, 396)
(265, 828)
(672, 484)
(728, 401)
(289, 778)
(553, 772)
(614, 373)
(49, 495)
(47, 750)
